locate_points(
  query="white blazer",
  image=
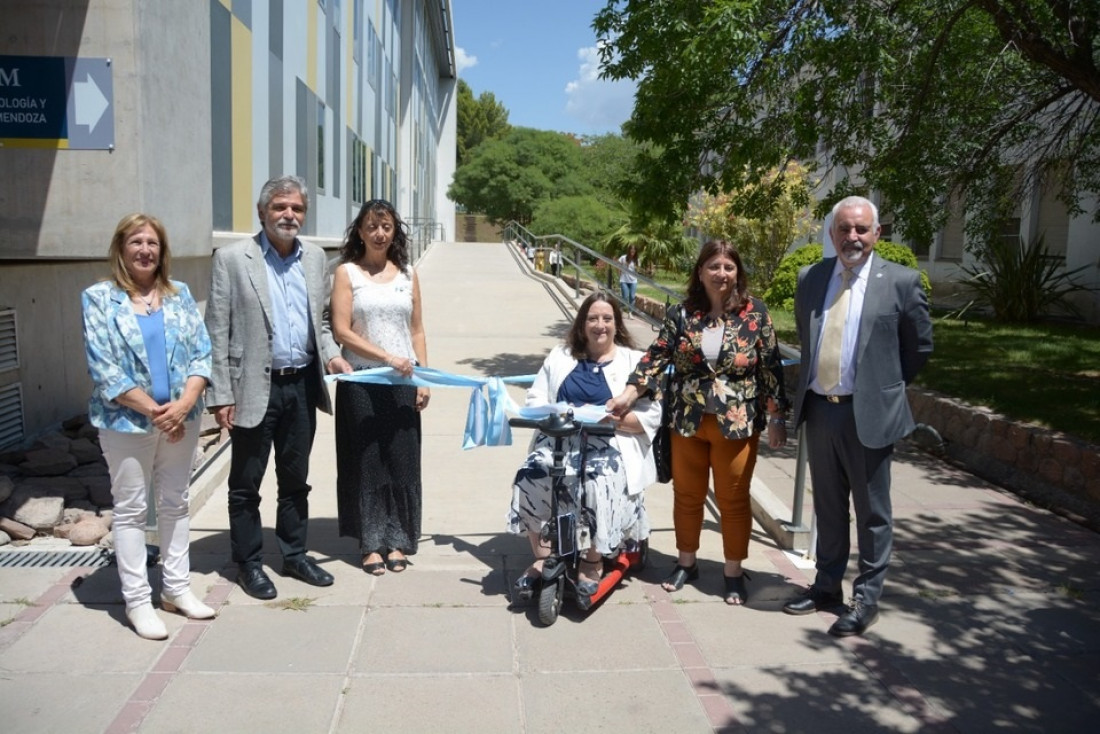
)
(635, 448)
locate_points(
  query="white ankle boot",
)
(186, 604)
(146, 622)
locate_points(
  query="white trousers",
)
(136, 461)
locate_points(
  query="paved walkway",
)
(990, 620)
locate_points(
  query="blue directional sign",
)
(56, 102)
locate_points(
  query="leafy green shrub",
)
(781, 293)
(1021, 283)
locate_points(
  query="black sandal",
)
(736, 592)
(397, 565)
(525, 587)
(374, 569)
(680, 575)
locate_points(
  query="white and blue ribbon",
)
(490, 403)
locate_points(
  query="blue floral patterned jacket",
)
(748, 371)
(117, 361)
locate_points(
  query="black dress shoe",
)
(812, 599)
(306, 569)
(255, 582)
(856, 620)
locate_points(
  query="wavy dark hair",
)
(354, 247)
(577, 340)
(697, 299)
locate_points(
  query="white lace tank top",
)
(381, 314)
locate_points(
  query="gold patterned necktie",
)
(828, 359)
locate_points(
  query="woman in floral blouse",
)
(149, 360)
(726, 385)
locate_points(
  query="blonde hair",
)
(121, 276)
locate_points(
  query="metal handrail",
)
(516, 232)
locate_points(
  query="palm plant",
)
(1021, 281)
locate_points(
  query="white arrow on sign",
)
(90, 103)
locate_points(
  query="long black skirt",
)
(378, 488)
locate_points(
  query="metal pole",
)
(799, 478)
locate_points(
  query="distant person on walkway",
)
(267, 300)
(149, 359)
(588, 369)
(555, 261)
(727, 384)
(628, 279)
(377, 317)
(865, 331)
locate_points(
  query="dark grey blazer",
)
(238, 317)
(895, 340)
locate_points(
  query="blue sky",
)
(538, 57)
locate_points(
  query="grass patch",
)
(294, 604)
(1047, 374)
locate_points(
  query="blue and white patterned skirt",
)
(616, 515)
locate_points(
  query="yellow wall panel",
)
(241, 40)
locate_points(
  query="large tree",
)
(508, 178)
(478, 119)
(762, 241)
(916, 98)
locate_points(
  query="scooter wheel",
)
(550, 598)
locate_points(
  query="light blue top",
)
(152, 333)
(118, 361)
(292, 338)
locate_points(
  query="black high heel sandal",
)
(680, 575)
(736, 592)
(525, 587)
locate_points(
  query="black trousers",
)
(289, 425)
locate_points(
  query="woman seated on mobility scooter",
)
(589, 369)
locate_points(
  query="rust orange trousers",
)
(694, 459)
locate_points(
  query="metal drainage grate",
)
(94, 558)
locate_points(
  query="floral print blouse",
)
(735, 388)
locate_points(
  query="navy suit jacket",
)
(895, 341)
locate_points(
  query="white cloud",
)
(464, 60)
(599, 103)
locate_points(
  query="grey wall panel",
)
(275, 114)
(221, 120)
(275, 28)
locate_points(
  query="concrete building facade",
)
(208, 99)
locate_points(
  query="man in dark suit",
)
(866, 332)
(270, 350)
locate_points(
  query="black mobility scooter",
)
(568, 537)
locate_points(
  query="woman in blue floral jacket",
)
(727, 384)
(149, 360)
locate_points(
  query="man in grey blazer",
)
(851, 394)
(270, 350)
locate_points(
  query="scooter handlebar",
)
(561, 425)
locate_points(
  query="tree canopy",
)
(917, 99)
(477, 120)
(761, 241)
(508, 178)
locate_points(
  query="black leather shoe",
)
(856, 620)
(255, 582)
(306, 569)
(812, 599)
